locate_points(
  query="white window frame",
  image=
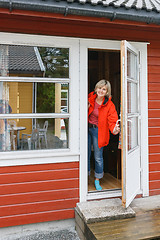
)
(86, 44)
(48, 155)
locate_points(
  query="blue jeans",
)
(98, 152)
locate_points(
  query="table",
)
(17, 129)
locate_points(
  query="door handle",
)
(119, 120)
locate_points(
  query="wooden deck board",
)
(143, 226)
(107, 182)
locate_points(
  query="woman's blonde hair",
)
(102, 83)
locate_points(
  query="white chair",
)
(12, 124)
(32, 140)
(43, 133)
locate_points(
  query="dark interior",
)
(105, 64)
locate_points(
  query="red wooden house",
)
(76, 43)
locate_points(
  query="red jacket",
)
(107, 117)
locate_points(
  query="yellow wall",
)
(20, 100)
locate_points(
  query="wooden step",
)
(143, 226)
(98, 211)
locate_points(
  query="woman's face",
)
(101, 91)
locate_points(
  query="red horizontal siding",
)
(38, 186)
(154, 61)
(27, 22)
(154, 87)
(153, 131)
(153, 78)
(38, 196)
(154, 104)
(154, 176)
(154, 140)
(154, 113)
(154, 185)
(38, 167)
(153, 69)
(23, 187)
(154, 148)
(154, 122)
(36, 217)
(154, 44)
(153, 52)
(38, 176)
(154, 96)
(154, 166)
(38, 193)
(10, 210)
(154, 157)
(154, 192)
(154, 116)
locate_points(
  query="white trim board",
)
(86, 44)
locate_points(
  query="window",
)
(34, 97)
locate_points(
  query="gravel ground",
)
(48, 235)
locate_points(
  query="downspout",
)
(149, 20)
(114, 16)
(10, 5)
(66, 11)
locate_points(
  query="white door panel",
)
(130, 122)
(133, 167)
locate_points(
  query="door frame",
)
(84, 45)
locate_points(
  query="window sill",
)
(38, 157)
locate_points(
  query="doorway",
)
(105, 64)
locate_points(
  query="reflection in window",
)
(49, 97)
(132, 126)
(33, 134)
(131, 65)
(132, 97)
(56, 61)
(35, 97)
(28, 61)
(38, 86)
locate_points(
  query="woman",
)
(102, 117)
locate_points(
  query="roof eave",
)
(74, 8)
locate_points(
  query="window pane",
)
(49, 98)
(132, 127)
(28, 61)
(131, 65)
(28, 97)
(132, 97)
(33, 134)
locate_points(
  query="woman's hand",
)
(116, 129)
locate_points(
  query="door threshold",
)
(104, 194)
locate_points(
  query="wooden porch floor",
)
(146, 225)
(107, 182)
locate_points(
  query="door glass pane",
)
(29, 61)
(131, 65)
(33, 134)
(132, 97)
(28, 97)
(132, 128)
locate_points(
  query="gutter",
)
(87, 9)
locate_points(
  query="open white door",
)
(130, 122)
